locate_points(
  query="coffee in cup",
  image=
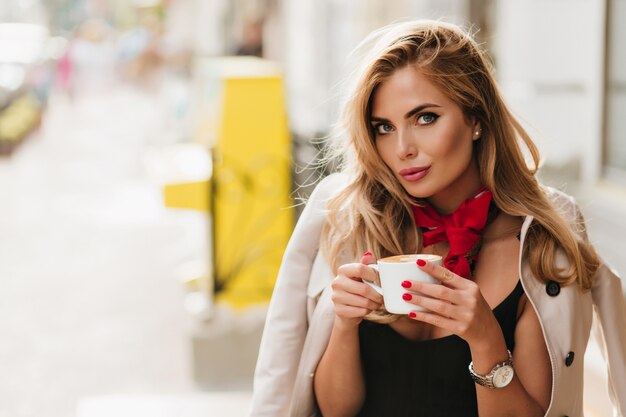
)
(392, 271)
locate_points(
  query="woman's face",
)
(425, 139)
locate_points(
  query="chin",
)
(417, 190)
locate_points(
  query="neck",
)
(449, 199)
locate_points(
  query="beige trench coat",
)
(301, 314)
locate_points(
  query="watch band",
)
(503, 372)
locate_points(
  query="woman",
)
(433, 163)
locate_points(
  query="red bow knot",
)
(462, 229)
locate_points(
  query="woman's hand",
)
(457, 305)
(352, 297)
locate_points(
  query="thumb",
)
(372, 276)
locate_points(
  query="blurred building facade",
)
(560, 64)
(614, 152)
(551, 63)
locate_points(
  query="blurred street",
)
(92, 316)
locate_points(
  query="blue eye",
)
(426, 118)
(383, 129)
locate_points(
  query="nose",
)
(406, 145)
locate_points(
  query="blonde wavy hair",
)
(373, 212)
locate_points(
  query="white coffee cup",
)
(395, 269)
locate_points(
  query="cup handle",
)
(376, 288)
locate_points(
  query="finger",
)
(443, 308)
(444, 275)
(354, 300)
(358, 272)
(437, 291)
(434, 319)
(347, 284)
(350, 312)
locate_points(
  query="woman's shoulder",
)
(328, 186)
(557, 195)
(315, 205)
(564, 202)
(567, 206)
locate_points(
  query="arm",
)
(459, 307)
(529, 392)
(286, 323)
(339, 385)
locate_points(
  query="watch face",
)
(503, 376)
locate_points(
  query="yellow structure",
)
(192, 195)
(242, 118)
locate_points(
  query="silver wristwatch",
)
(499, 377)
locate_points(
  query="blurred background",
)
(153, 154)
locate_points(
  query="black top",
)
(426, 378)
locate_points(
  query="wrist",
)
(488, 351)
(347, 324)
(500, 375)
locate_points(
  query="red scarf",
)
(462, 229)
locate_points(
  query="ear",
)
(477, 131)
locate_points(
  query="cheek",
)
(384, 150)
(450, 143)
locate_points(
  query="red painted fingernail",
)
(368, 253)
(421, 262)
(406, 284)
(407, 297)
(412, 315)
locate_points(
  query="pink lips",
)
(415, 173)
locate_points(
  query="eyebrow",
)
(409, 114)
